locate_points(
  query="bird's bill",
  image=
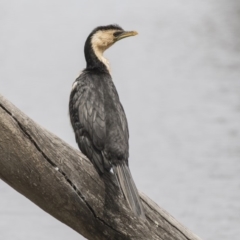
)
(126, 34)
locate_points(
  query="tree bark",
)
(64, 183)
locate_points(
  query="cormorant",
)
(97, 116)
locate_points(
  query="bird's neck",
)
(99, 54)
(95, 59)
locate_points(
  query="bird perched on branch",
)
(97, 116)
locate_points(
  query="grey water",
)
(179, 83)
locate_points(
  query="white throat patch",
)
(101, 41)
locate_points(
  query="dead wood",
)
(64, 183)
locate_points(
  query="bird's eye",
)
(116, 34)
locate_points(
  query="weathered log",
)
(64, 183)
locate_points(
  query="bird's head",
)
(103, 37)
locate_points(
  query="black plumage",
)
(97, 115)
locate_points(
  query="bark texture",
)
(64, 183)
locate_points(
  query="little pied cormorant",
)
(97, 116)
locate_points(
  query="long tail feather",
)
(128, 188)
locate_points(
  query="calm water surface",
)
(179, 82)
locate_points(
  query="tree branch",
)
(63, 182)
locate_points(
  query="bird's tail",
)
(128, 188)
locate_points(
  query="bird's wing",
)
(120, 110)
(89, 121)
(123, 120)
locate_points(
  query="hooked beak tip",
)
(134, 33)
